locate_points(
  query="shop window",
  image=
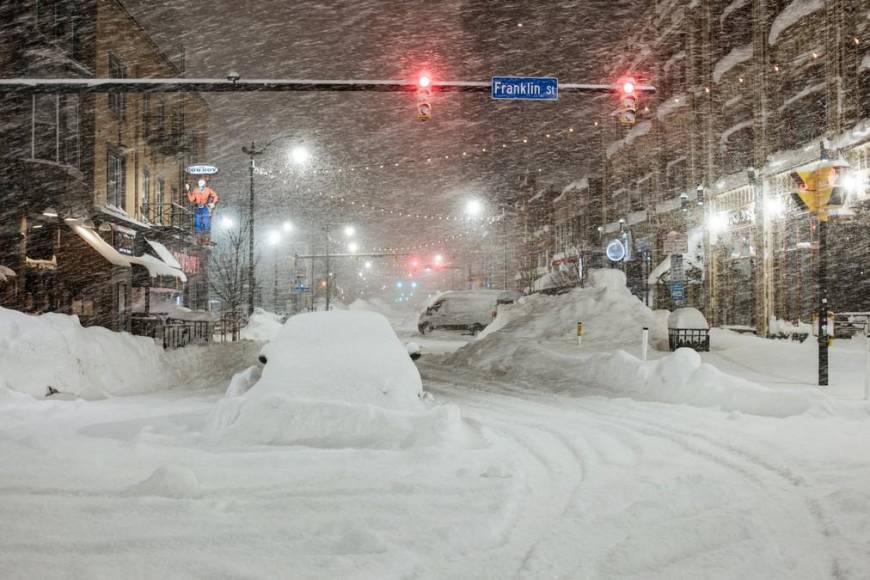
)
(677, 176)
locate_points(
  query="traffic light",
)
(424, 97)
(628, 98)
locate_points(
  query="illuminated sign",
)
(201, 169)
(615, 251)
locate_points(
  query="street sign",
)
(525, 88)
(678, 293)
(201, 169)
(300, 290)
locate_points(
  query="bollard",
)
(643, 342)
(579, 334)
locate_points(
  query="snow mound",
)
(283, 420)
(243, 381)
(335, 379)
(683, 378)
(687, 318)
(90, 362)
(262, 326)
(610, 314)
(168, 481)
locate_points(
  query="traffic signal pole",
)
(823, 305)
(235, 84)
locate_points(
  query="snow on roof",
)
(791, 14)
(730, 60)
(102, 247)
(638, 131)
(573, 186)
(803, 93)
(120, 213)
(735, 5)
(157, 267)
(865, 62)
(164, 254)
(687, 318)
(671, 105)
(726, 134)
(5, 271)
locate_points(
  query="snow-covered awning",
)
(6, 273)
(157, 267)
(164, 254)
(104, 248)
(657, 272)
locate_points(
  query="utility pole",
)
(504, 248)
(275, 283)
(252, 152)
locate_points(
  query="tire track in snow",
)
(741, 461)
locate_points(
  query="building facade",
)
(702, 183)
(95, 220)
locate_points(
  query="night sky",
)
(454, 39)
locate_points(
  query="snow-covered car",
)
(467, 310)
(353, 357)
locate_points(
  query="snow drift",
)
(334, 379)
(533, 343)
(55, 350)
(262, 326)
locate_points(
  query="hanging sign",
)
(201, 169)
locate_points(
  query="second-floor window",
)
(146, 192)
(116, 172)
(158, 201)
(55, 132)
(117, 101)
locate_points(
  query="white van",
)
(468, 310)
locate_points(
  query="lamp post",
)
(299, 155)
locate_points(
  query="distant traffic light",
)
(424, 97)
(628, 98)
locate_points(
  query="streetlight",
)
(352, 247)
(287, 226)
(473, 207)
(226, 222)
(349, 231)
(299, 155)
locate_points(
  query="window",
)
(70, 138)
(677, 176)
(146, 192)
(117, 101)
(146, 113)
(158, 203)
(116, 178)
(45, 120)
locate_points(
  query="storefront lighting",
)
(50, 212)
(718, 222)
(774, 207)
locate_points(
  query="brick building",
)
(94, 221)
(747, 89)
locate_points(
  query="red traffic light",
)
(424, 81)
(628, 87)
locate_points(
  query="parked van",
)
(467, 310)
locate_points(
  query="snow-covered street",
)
(542, 484)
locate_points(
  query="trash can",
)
(687, 328)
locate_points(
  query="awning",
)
(164, 254)
(6, 273)
(102, 247)
(157, 267)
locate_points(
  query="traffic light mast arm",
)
(174, 85)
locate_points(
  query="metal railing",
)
(170, 215)
(171, 333)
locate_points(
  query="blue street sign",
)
(300, 290)
(525, 88)
(678, 293)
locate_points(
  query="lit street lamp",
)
(298, 154)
